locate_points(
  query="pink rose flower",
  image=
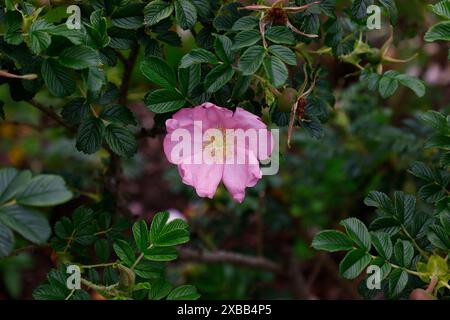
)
(210, 144)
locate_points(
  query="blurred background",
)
(368, 144)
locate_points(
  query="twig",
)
(129, 66)
(229, 257)
(49, 112)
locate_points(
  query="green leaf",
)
(6, 241)
(186, 292)
(12, 182)
(186, 14)
(412, 83)
(125, 252)
(118, 114)
(332, 241)
(163, 101)
(440, 31)
(280, 35)
(398, 279)
(354, 263)
(59, 80)
(75, 111)
(387, 86)
(159, 72)
(381, 201)
(29, 223)
(90, 135)
(121, 140)
(128, 17)
(442, 9)
(161, 254)
(383, 244)
(358, 232)
(422, 171)
(445, 221)
(163, 234)
(246, 39)
(160, 289)
(439, 237)
(222, 45)
(276, 71)
(392, 10)
(198, 56)
(403, 252)
(218, 77)
(44, 190)
(79, 57)
(156, 11)
(251, 60)
(359, 8)
(190, 78)
(173, 233)
(284, 53)
(102, 250)
(245, 23)
(405, 206)
(141, 235)
(149, 270)
(39, 36)
(437, 120)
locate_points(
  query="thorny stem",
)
(110, 289)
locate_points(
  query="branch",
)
(129, 66)
(49, 112)
(229, 257)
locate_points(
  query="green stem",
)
(422, 252)
(100, 265)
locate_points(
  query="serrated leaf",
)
(118, 114)
(141, 235)
(156, 11)
(245, 39)
(332, 241)
(222, 46)
(102, 250)
(79, 57)
(121, 140)
(163, 101)
(75, 111)
(160, 289)
(245, 23)
(12, 182)
(190, 78)
(29, 223)
(383, 244)
(387, 86)
(186, 292)
(442, 9)
(354, 263)
(186, 13)
(39, 36)
(358, 232)
(198, 56)
(90, 135)
(6, 241)
(280, 35)
(440, 31)
(276, 71)
(284, 53)
(403, 252)
(161, 254)
(412, 83)
(59, 80)
(359, 8)
(125, 252)
(392, 10)
(159, 72)
(218, 77)
(44, 190)
(251, 60)
(398, 279)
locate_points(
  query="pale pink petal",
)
(237, 177)
(205, 178)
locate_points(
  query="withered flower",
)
(278, 14)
